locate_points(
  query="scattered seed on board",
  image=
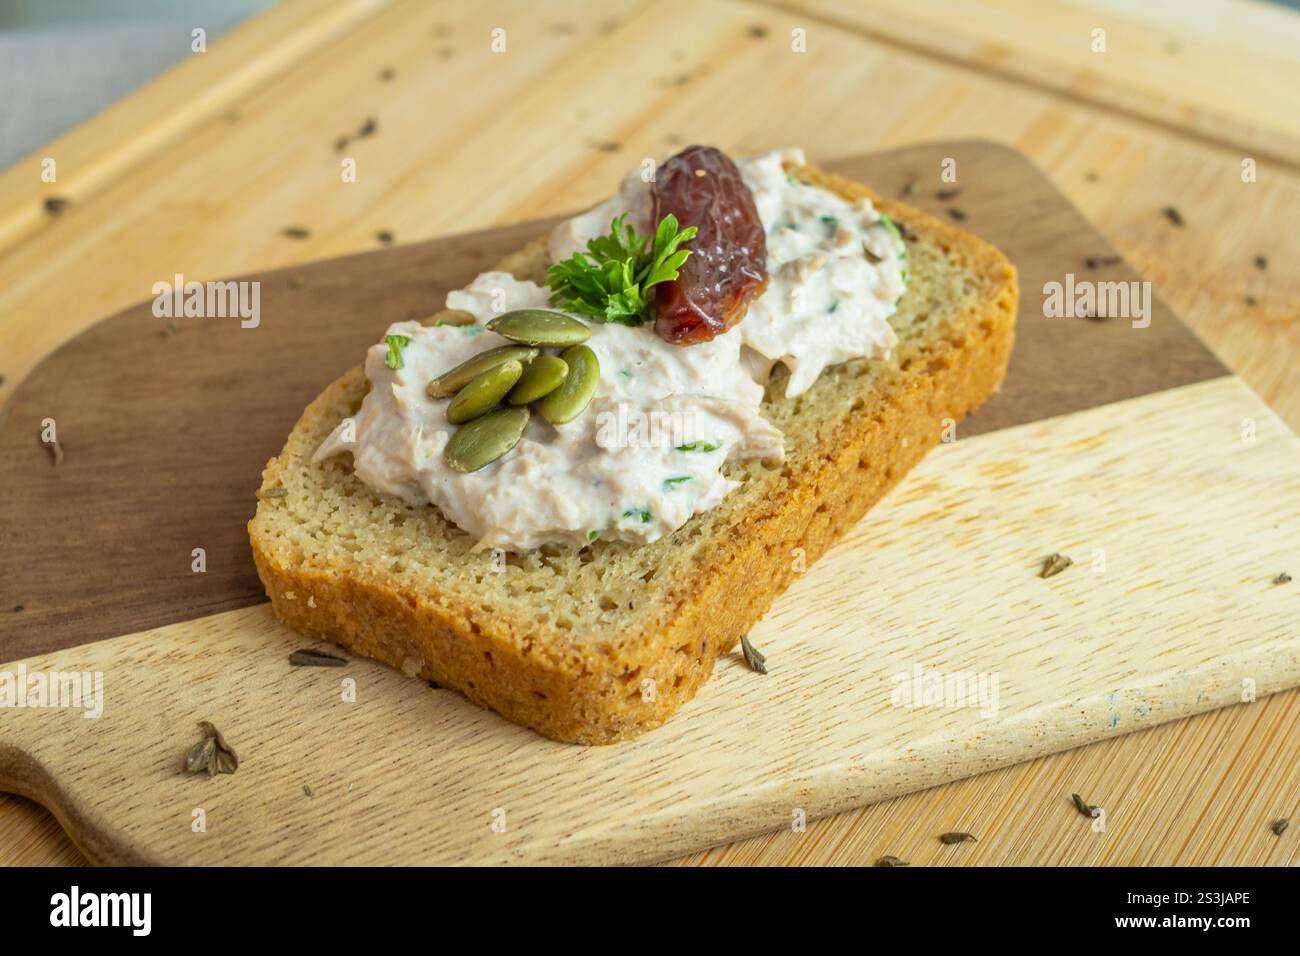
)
(1084, 807)
(756, 660)
(211, 754)
(1054, 565)
(308, 657)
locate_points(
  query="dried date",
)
(727, 268)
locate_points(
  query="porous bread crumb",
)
(603, 643)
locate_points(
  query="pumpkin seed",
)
(486, 439)
(540, 327)
(543, 375)
(450, 317)
(574, 394)
(483, 391)
(451, 382)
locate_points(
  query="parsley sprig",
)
(609, 282)
(395, 345)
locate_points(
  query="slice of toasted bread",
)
(602, 644)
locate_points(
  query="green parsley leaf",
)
(700, 446)
(609, 282)
(395, 345)
(642, 513)
(889, 225)
(671, 483)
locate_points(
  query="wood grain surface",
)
(172, 452)
(205, 184)
(1125, 639)
(1217, 70)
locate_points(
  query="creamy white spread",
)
(647, 453)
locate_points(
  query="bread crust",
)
(592, 694)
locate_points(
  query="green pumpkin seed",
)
(485, 439)
(450, 317)
(574, 394)
(543, 375)
(483, 391)
(540, 327)
(451, 382)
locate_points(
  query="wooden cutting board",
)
(1170, 484)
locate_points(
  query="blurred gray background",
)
(62, 61)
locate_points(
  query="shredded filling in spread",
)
(648, 451)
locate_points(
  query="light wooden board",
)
(1174, 624)
(136, 219)
(1222, 70)
(1186, 791)
(325, 318)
